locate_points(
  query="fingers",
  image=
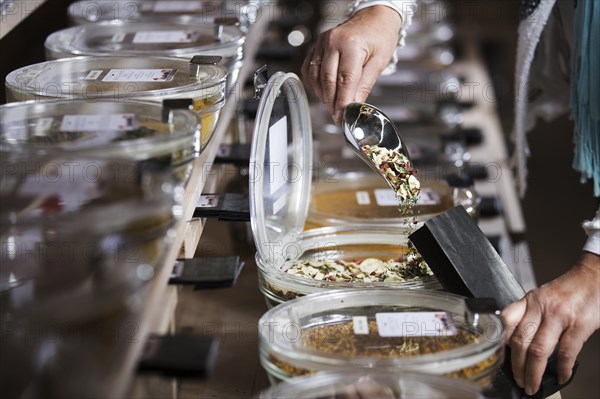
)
(570, 345)
(512, 315)
(329, 79)
(370, 73)
(539, 351)
(349, 77)
(522, 337)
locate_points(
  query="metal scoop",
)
(364, 124)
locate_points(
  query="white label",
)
(415, 324)
(42, 126)
(140, 75)
(224, 151)
(385, 197)
(118, 37)
(428, 196)
(165, 36)
(363, 198)
(278, 155)
(279, 204)
(94, 74)
(361, 325)
(177, 6)
(66, 183)
(208, 201)
(91, 123)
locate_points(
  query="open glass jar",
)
(379, 384)
(381, 329)
(100, 130)
(80, 237)
(357, 257)
(124, 79)
(292, 262)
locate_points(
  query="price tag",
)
(177, 6)
(428, 196)
(360, 325)
(91, 123)
(140, 75)
(93, 74)
(208, 201)
(118, 37)
(42, 126)
(415, 324)
(385, 197)
(165, 36)
(363, 198)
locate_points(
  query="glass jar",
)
(149, 39)
(99, 130)
(122, 80)
(366, 199)
(381, 329)
(80, 237)
(197, 11)
(373, 384)
(360, 244)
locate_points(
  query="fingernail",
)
(529, 391)
(562, 380)
(337, 117)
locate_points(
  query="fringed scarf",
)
(585, 92)
(585, 85)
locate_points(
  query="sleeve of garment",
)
(592, 229)
(406, 9)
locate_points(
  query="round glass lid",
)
(156, 38)
(115, 78)
(93, 11)
(280, 167)
(135, 130)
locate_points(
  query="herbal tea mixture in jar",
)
(343, 339)
(365, 270)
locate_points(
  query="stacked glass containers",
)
(125, 79)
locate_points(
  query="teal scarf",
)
(585, 91)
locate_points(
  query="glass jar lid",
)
(146, 39)
(101, 130)
(373, 384)
(87, 11)
(280, 170)
(114, 79)
(417, 330)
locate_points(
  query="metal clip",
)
(198, 60)
(171, 104)
(260, 81)
(221, 22)
(477, 306)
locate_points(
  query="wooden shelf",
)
(111, 376)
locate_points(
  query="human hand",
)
(564, 311)
(353, 55)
